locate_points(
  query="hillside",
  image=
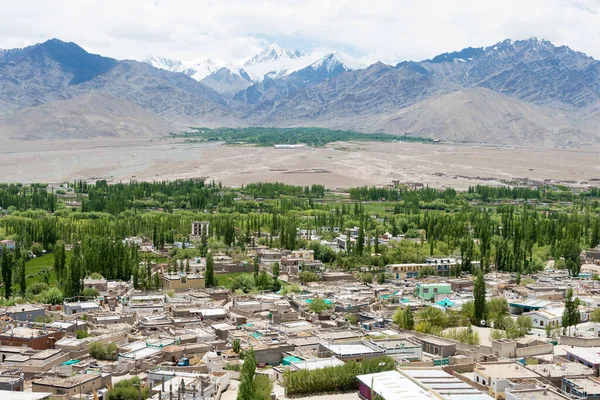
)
(483, 116)
(90, 115)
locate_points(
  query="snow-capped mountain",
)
(197, 69)
(274, 62)
(324, 68)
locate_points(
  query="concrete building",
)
(588, 356)
(35, 338)
(183, 281)
(583, 388)
(72, 386)
(79, 306)
(26, 312)
(444, 385)
(404, 271)
(443, 266)
(428, 291)
(555, 373)
(437, 346)
(11, 380)
(198, 227)
(553, 316)
(357, 351)
(496, 375)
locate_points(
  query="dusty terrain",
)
(340, 165)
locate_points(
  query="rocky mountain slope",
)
(481, 115)
(93, 114)
(527, 91)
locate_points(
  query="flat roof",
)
(10, 395)
(393, 385)
(318, 363)
(446, 385)
(589, 354)
(588, 385)
(537, 394)
(349, 349)
(66, 382)
(510, 370)
(563, 369)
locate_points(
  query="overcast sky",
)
(386, 30)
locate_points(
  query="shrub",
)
(90, 292)
(38, 287)
(318, 305)
(333, 379)
(245, 283)
(100, 351)
(307, 276)
(81, 334)
(467, 336)
(51, 296)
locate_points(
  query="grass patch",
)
(225, 280)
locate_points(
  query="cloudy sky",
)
(386, 30)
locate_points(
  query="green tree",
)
(73, 284)
(129, 389)
(210, 270)
(256, 265)
(90, 292)
(571, 314)
(318, 305)
(381, 278)
(595, 315)
(479, 297)
(433, 316)
(22, 276)
(7, 264)
(60, 259)
(308, 276)
(404, 318)
(236, 346)
(247, 389)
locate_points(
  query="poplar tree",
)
(210, 271)
(479, 295)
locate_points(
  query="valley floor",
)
(340, 165)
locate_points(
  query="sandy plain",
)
(339, 165)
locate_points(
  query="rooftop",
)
(511, 370)
(69, 382)
(590, 354)
(587, 385)
(537, 394)
(393, 385)
(563, 369)
(318, 363)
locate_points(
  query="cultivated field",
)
(338, 165)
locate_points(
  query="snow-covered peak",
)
(163, 63)
(197, 69)
(275, 61)
(338, 58)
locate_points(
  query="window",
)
(425, 290)
(541, 323)
(436, 350)
(435, 290)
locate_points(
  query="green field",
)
(35, 266)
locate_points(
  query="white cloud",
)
(387, 30)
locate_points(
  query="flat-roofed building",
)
(391, 385)
(359, 350)
(444, 384)
(72, 386)
(183, 281)
(583, 388)
(588, 356)
(19, 395)
(496, 375)
(428, 291)
(26, 312)
(37, 339)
